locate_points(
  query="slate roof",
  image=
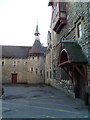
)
(15, 51)
(37, 48)
(74, 51)
(20, 51)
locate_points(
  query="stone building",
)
(69, 47)
(23, 64)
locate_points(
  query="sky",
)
(18, 19)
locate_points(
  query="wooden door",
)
(14, 78)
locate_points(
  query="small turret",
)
(37, 32)
(37, 48)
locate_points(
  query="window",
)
(3, 63)
(54, 74)
(41, 72)
(31, 70)
(25, 63)
(58, 19)
(14, 63)
(79, 27)
(36, 70)
(62, 6)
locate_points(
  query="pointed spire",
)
(36, 32)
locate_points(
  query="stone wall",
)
(48, 67)
(36, 76)
(75, 11)
(23, 70)
(8, 69)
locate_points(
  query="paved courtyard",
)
(40, 101)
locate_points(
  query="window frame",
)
(77, 31)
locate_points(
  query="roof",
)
(74, 51)
(21, 51)
(37, 32)
(37, 48)
(15, 51)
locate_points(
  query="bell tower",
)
(37, 33)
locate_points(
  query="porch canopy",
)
(71, 56)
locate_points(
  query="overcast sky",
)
(18, 20)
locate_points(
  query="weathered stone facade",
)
(77, 12)
(48, 64)
(37, 75)
(8, 69)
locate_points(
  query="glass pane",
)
(62, 6)
(80, 27)
(80, 33)
(79, 30)
(63, 15)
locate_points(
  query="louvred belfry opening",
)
(58, 15)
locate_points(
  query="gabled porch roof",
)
(72, 56)
(71, 52)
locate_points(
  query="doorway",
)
(14, 78)
(79, 87)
